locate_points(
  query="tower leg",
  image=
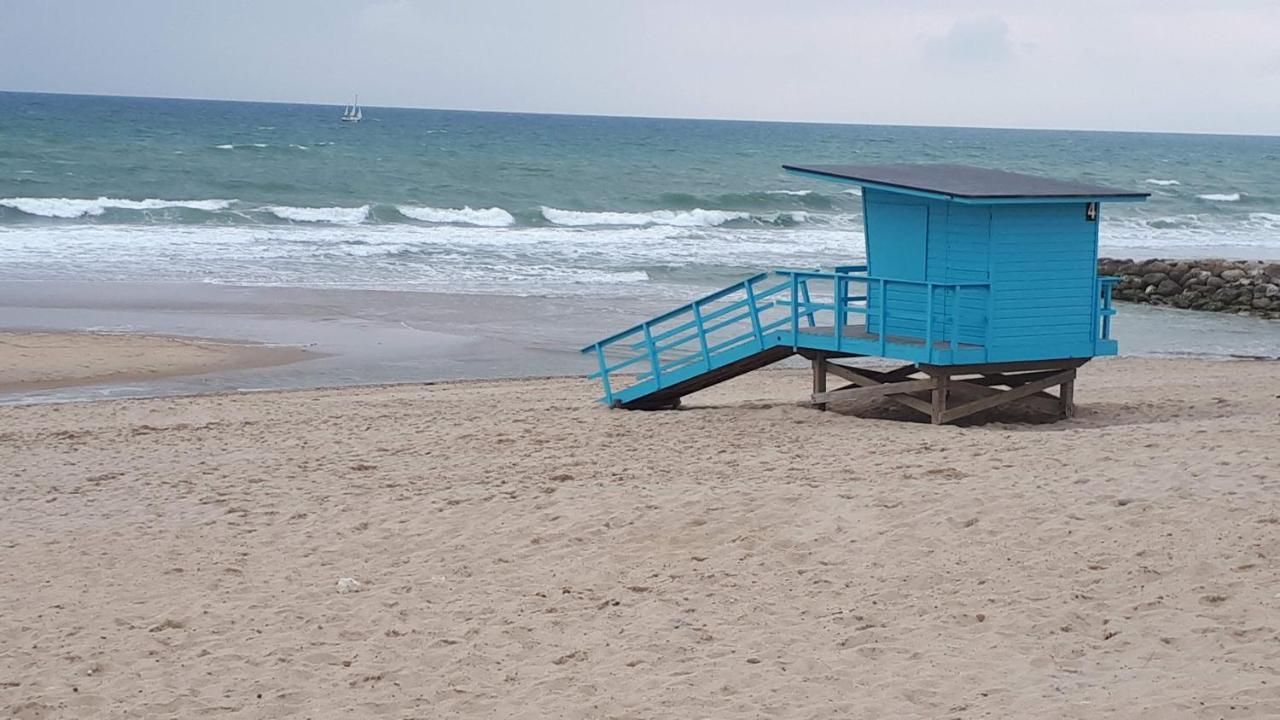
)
(939, 404)
(1067, 398)
(820, 377)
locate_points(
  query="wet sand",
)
(524, 553)
(43, 360)
(364, 337)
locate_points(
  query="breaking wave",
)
(1220, 197)
(69, 208)
(484, 217)
(336, 215)
(689, 218)
(1158, 181)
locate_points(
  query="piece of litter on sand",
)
(348, 585)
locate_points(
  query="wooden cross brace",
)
(974, 387)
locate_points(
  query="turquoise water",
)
(274, 194)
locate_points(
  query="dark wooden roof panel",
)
(964, 181)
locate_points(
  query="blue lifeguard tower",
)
(984, 281)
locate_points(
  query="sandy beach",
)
(524, 553)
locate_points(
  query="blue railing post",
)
(928, 322)
(955, 323)
(654, 362)
(755, 312)
(883, 324)
(842, 312)
(991, 315)
(795, 312)
(702, 335)
(604, 375)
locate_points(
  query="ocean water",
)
(138, 189)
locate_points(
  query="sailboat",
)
(352, 114)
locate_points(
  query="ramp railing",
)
(702, 334)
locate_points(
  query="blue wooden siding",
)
(1043, 275)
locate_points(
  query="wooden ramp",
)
(669, 397)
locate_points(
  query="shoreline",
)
(375, 338)
(265, 356)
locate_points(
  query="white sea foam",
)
(800, 193)
(1158, 181)
(299, 147)
(484, 217)
(686, 218)
(336, 215)
(1220, 197)
(1270, 221)
(82, 207)
(228, 146)
(854, 191)
(523, 260)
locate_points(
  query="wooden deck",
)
(859, 332)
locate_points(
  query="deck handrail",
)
(818, 274)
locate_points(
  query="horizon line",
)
(648, 117)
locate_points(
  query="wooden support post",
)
(942, 384)
(820, 378)
(1067, 398)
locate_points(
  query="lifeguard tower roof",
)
(966, 183)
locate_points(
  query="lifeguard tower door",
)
(900, 233)
(897, 238)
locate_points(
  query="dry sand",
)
(40, 360)
(525, 554)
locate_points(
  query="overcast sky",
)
(1176, 65)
